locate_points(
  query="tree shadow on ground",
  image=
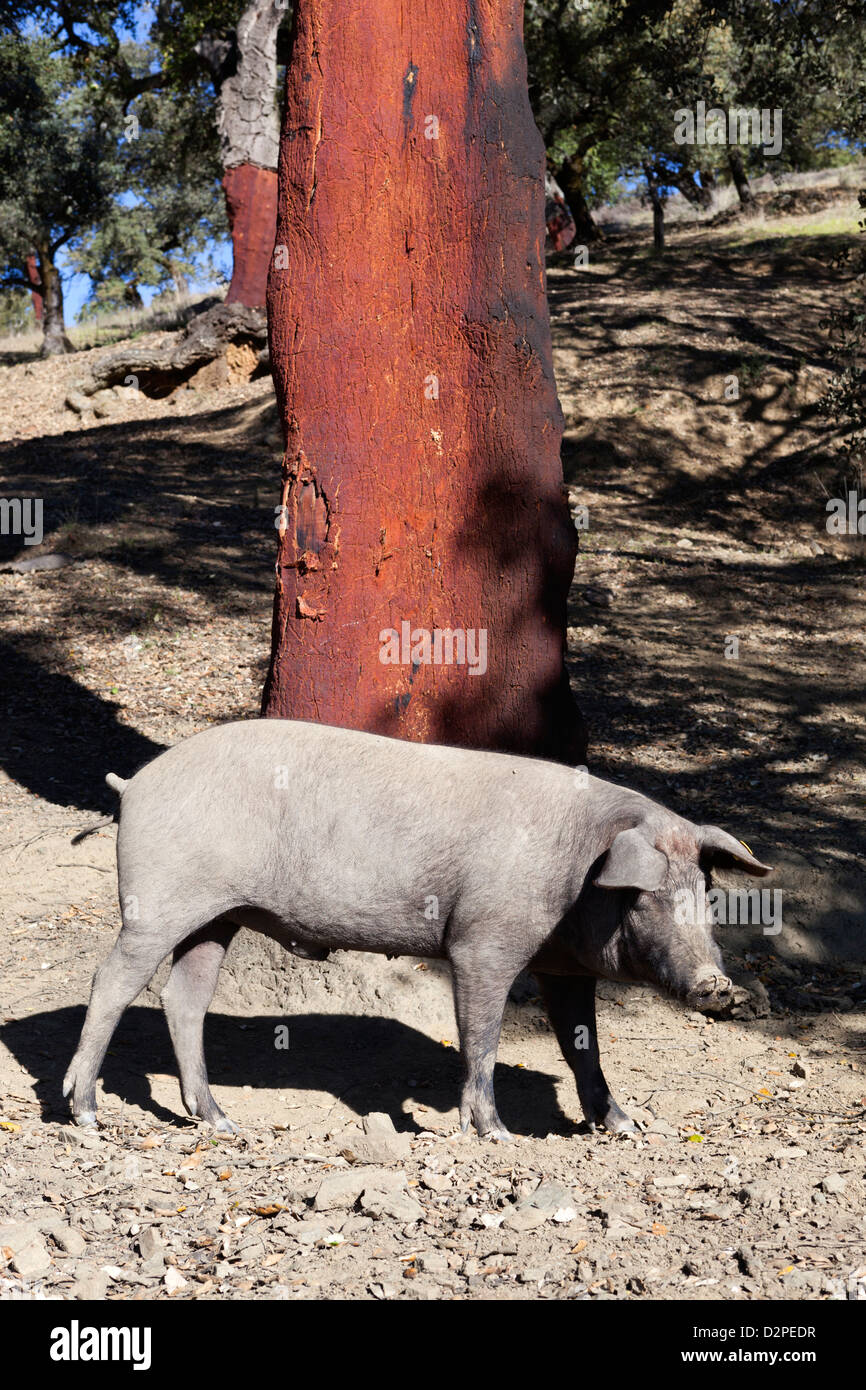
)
(59, 739)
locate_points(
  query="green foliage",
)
(606, 77)
(59, 163)
(97, 157)
(172, 204)
(16, 313)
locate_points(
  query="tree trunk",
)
(248, 125)
(425, 547)
(33, 276)
(160, 367)
(692, 191)
(708, 183)
(740, 178)
(54, 340)
(570, 178)
(658, 207)
(179, 279)
(251, 201)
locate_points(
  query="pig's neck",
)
(601, 810)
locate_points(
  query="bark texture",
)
(244, 69)
(570, 176)
(410, 345)
(741, 180)
(251, 200)
(33, 276)
(54, 339)
(658, 207)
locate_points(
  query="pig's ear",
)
(632, 862)
(721, 848)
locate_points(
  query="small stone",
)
(90, 1286)
(398, 1205)
(85, 1138)
(311, 1234)
(522, 1218)
(174, 1280)
(834, 1184)
(340, 1190)
(378, 1141)
(433, 1263)
(799, 1069)
(69, 1240)
(18, 1234)
(150, 1243)
(435, 1182)
(32, 1259)
(663, 1129)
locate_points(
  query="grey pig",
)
(327, 838)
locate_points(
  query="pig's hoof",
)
(498, 1133)
(85, 1119)
(225, 1126)
(620, 1124)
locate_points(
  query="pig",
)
(326, 838)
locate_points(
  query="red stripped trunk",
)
(251, 200)
(33, 276)
(425, 545)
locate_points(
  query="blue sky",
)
(77, 288)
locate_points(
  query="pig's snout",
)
(711, 993)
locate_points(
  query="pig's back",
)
(360, 822)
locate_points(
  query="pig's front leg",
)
(480, 990)
(570, 1004)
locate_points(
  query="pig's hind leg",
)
(123, 974)
(186, 999)
(570, 1004)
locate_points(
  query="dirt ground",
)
(706, 522)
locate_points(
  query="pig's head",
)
(664, 933)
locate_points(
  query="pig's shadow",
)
(369, 1064)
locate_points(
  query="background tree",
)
(157, 233)
(234, 48)
(58, 169)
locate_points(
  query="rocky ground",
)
(348, 1178)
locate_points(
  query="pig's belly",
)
(398, 933)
